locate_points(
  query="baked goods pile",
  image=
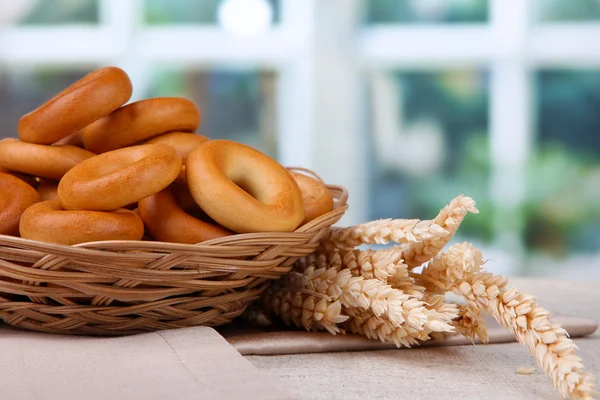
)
(89, 167)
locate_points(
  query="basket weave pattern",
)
(124, 287)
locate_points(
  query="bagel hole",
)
(245, 184)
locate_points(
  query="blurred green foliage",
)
(567, 10)
(419, 11)
(164, 12)
(157, 12)
(58, 12)
(561, 211)
(568, 102)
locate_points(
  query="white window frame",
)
(320, 52)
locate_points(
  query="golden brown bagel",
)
(183, 143)
(94, 96)
(243, 189)
(166, 221)
(47, 190)
(141, 121)
(15, 197)
(115, 179)
(50, 162)
(315, 196)
(48, 222)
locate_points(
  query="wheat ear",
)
(459, 270)
(384, 231)
(449, 219)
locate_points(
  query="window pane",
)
(430, 145)
(57, 12)
(238, 106)
(162, 12)
(572, 10)
(425, 11)
(23, 90)
(563, 204)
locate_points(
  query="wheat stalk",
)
(439, 318)
(459, 270)
(470, 323)
(323, 257)
(358, 292)
(384, 231)
(385, 265)
(448, 219)
(304, 310)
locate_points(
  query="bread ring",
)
(50, 162)
(243, 189)
(115, 179)
(47, 190)
(183, 143)
(16, 196)
(141, 121)
(94, 96)
(166, 221)
(315, 196)
(48, 222)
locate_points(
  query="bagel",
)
(243, 189)
(47, 190)
(94, 96)
(48, 222)
(168, 222)
(316, 197)
(183, 143)
(16, 196)
(141, 121)
(118, 178)
(50, 162)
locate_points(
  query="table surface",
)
(466, 372)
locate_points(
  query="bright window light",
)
(245, 17)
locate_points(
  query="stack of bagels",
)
(89, 167)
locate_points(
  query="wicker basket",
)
(125, 287)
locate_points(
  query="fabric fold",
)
(261, 342)
(190, 363)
